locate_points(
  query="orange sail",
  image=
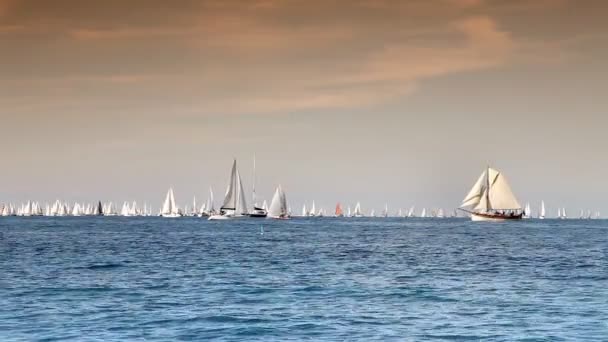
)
(339, 211)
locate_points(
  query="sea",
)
(305, 279)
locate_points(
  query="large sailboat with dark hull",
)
(491, 199)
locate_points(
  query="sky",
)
(378, 101)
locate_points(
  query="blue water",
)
(119, 279)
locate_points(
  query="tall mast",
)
(254, 180)
(488, 188)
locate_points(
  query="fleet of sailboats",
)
(490, 199)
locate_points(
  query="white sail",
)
(491, 192)
(313, 209)
(423, 213)
(169, 208)
(210, 207)
(542, 212)
(474, 196)
(357, 212)
(410, 213)
(304, 212)
(278, 205)
(440, 213)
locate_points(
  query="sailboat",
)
(423, 213)
(440, 213)
(410, 213)
(313, 210)
(542, 213)
(257, 211)
(169, 209)
(208, 207)
(491, 199)
(385, 212)
(304, 212)
(278, 206)
(339, 212)
(357, 212)
(234, 204)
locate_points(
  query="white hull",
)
(477, 218)
(484, 218)
(278, 217)
(170, 215)
(219, 217)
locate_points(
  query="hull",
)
(170, 215)
(479, 217)
(218, 217)
(262, 215)
(278, 217)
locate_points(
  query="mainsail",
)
(491, 192)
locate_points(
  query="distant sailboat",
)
(278, 206)
(423, 213)
(339, 212)
(491, 199)
(169, 208)
(234, 204)
(410, 213)
(542, 213)
(357, 212)
(256, 211)
(385, 211)
(313, 209)
(440, 213)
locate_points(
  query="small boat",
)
(234, 204)
(423, 213)
(491, 199)
(278, 206)
(440, 213)
(385, 211)
(357, 212)
(339, 212)
(410, 213)
(313, 210)
(304, 212)
(208, 208)
(257, 211)
(542, 213)
(169, 209)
